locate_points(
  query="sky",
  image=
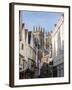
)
(40, 18)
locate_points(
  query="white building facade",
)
(58, 48)
(27, 53)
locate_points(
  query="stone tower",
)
(38, 33)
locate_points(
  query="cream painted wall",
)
(4, 44)
(58, 29)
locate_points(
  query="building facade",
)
(27, 53)
(58, 48)
(41, 54)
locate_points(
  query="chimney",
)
(55, 25)
(39, 28)
(23, 25)
(33, 29)
(36, 28)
